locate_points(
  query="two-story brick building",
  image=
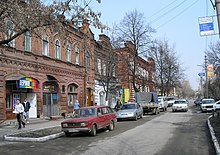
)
(51, 71)
(144, 72)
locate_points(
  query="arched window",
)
(45, 50)
(27, 41)
(57, 50)
(10, 32)
(77, 55)
(68, 53)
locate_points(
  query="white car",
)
(207, 105)
(162, 102)
(180, 105)
(216, 105)
(170, 100)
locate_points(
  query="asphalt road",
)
(179, 133)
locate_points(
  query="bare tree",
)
(20, 16)
(133, 28)
(168, 71)
(106, 72)
(185, 90)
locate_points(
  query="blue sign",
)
(206, 26)
(201, 74)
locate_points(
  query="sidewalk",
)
(10, 127)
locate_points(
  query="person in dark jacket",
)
(27, 107)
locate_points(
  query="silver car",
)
(130, 110)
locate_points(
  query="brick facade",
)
(15, 63)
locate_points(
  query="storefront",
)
(23, 88)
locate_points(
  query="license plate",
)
(73, 130)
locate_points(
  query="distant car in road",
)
(180, 105)
(162, 102)
(207, 105)
(90, 119)
(216, 106)
(170, 100)
(130, 110)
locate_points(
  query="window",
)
(57, 50)
(104, 111)
(72, 88)
(63, 89)
(87, 59)
(103, 69)
(8, 101)
(99, 66)
(10, 32)
(77, 55)
(113, 70)
(68, 53)
(27, 41)
(45, 46)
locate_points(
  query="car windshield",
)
(128, 106)
(86, 112)
(180, 102)
(208, 101)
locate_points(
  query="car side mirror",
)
(99, 114)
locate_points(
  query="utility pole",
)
(217, 5)
(206, 77)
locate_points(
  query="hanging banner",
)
(126, 95)
(28, 82)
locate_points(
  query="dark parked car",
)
(90, 119)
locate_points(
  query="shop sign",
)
(28, 82)
(49, 87)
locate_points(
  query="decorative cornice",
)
(38, 67)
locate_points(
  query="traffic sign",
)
(201, 74)
(206, 26)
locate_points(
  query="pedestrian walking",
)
(27, 107)
(19, 109)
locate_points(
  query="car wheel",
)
(136, 117)
(67, 134)
(111, 126)
(93, 130)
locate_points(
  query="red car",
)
(90, 119)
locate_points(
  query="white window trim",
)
(45, 38)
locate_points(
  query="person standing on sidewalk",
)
(19, 109)
(76, 106)
(27, 107)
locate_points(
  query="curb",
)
(214, 139)
(30, 139)
(26, 139)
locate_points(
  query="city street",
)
(182, 133)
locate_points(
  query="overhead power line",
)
(161, 9)
(169, 11)
(178, 14)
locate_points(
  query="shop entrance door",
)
(32, 98)
(50, 106)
